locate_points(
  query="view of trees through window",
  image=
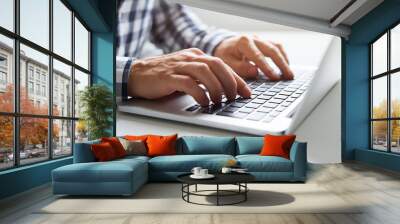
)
(385, 91)
(40, 84)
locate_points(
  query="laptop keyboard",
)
(268, 99)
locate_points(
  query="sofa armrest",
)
(83, 152)
(298, 155)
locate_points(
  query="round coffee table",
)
(238, 179)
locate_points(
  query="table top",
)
(220, 178)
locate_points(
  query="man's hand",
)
(183, 71)
(239, 51)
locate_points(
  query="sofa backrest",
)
(249, 145)
(83, 152)
(192, 145)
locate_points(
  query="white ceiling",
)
(314, 15)
(319, 9)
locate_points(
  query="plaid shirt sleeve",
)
(123, 69)
(176, 28)
(173, 28)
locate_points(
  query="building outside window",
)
(56, 129)
(385, 91)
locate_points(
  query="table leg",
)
(245, 193)
(195, 188)
(188, 189)
(217, 194)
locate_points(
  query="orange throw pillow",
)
(277, 145)
(103, 152)
(161, 145)
(116, 145)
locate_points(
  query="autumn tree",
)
(33, 131)
(380, 127)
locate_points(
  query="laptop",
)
(274, 107)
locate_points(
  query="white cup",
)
(203, 172)
(196, 171)
(226, 170)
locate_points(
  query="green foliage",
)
(96, 102)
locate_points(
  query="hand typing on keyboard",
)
(268, 99)
(246, 54)
(185, 70)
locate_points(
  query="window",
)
(37, 90)
(45, 122)
(7, 74)
(385, 91)
(3, 72)
(7, 14)
(3, 78)
(30, 72)
(30, 87)
(44, 91)
(38, 74)
(3, 61)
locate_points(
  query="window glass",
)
(379, 135)
(6, 142)
(34, 21)
(395, 47)
(379, 56)
(395, 136)
(62, 29)
(39, 62)
(7, 14)
(379, 98)
(62, 138)
(395, 95)
(62, 89)
(81, 131)
(81, 82)
(81, 45)
(34, 81)
(33, 139)
(6, 75)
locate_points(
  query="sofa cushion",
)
(185, 163)
(112, 171)
(277, 145)
(197, 145)
(257, 163)
(116, 145)
(249, 145)
(159, 145)
(134, 147)
(103, 152)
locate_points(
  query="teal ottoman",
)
(118, 177)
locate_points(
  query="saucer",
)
(208, 176)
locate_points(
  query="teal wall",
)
(24, 178)
(103, 66)
(355, 82)
(99, 16)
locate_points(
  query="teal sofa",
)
(125, 176)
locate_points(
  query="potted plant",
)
(96, 103)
